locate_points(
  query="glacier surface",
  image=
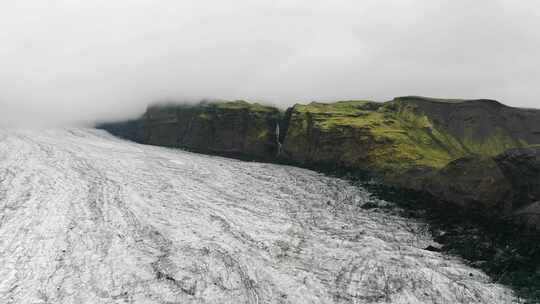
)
(89, 218)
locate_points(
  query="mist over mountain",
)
(269, 151)
(72, 62)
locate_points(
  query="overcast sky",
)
(80, 60)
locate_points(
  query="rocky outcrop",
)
(481, 126)
(506, 186)
(474, 183)
(475, 154)
(233, 128)
(132, 129)
(406, 133)
(521, 168)
(381, 138)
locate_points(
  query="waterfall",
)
(277, 140)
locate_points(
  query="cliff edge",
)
(475, 154)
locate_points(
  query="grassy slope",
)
(403, 136)
(500, 139)
(410, 138)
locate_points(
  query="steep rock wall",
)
(406, 133)
(236, 128)
(506, 186)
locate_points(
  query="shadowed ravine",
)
(88, 218)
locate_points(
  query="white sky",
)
(80, 60)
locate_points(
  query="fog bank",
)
(74, 61)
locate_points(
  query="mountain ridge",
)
(411, 142)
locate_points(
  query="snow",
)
(89, 218)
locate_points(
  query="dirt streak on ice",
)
(88, 218)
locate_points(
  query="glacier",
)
(89, 218)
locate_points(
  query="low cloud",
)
(69, 62)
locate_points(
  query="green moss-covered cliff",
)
(406, 133)
(456, 150)
(362, 134)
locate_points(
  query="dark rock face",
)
(521, 167)
(235, 128)
(308, 143)
(506, 186)
(472, 183)
(481, 126)
(129, 129)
